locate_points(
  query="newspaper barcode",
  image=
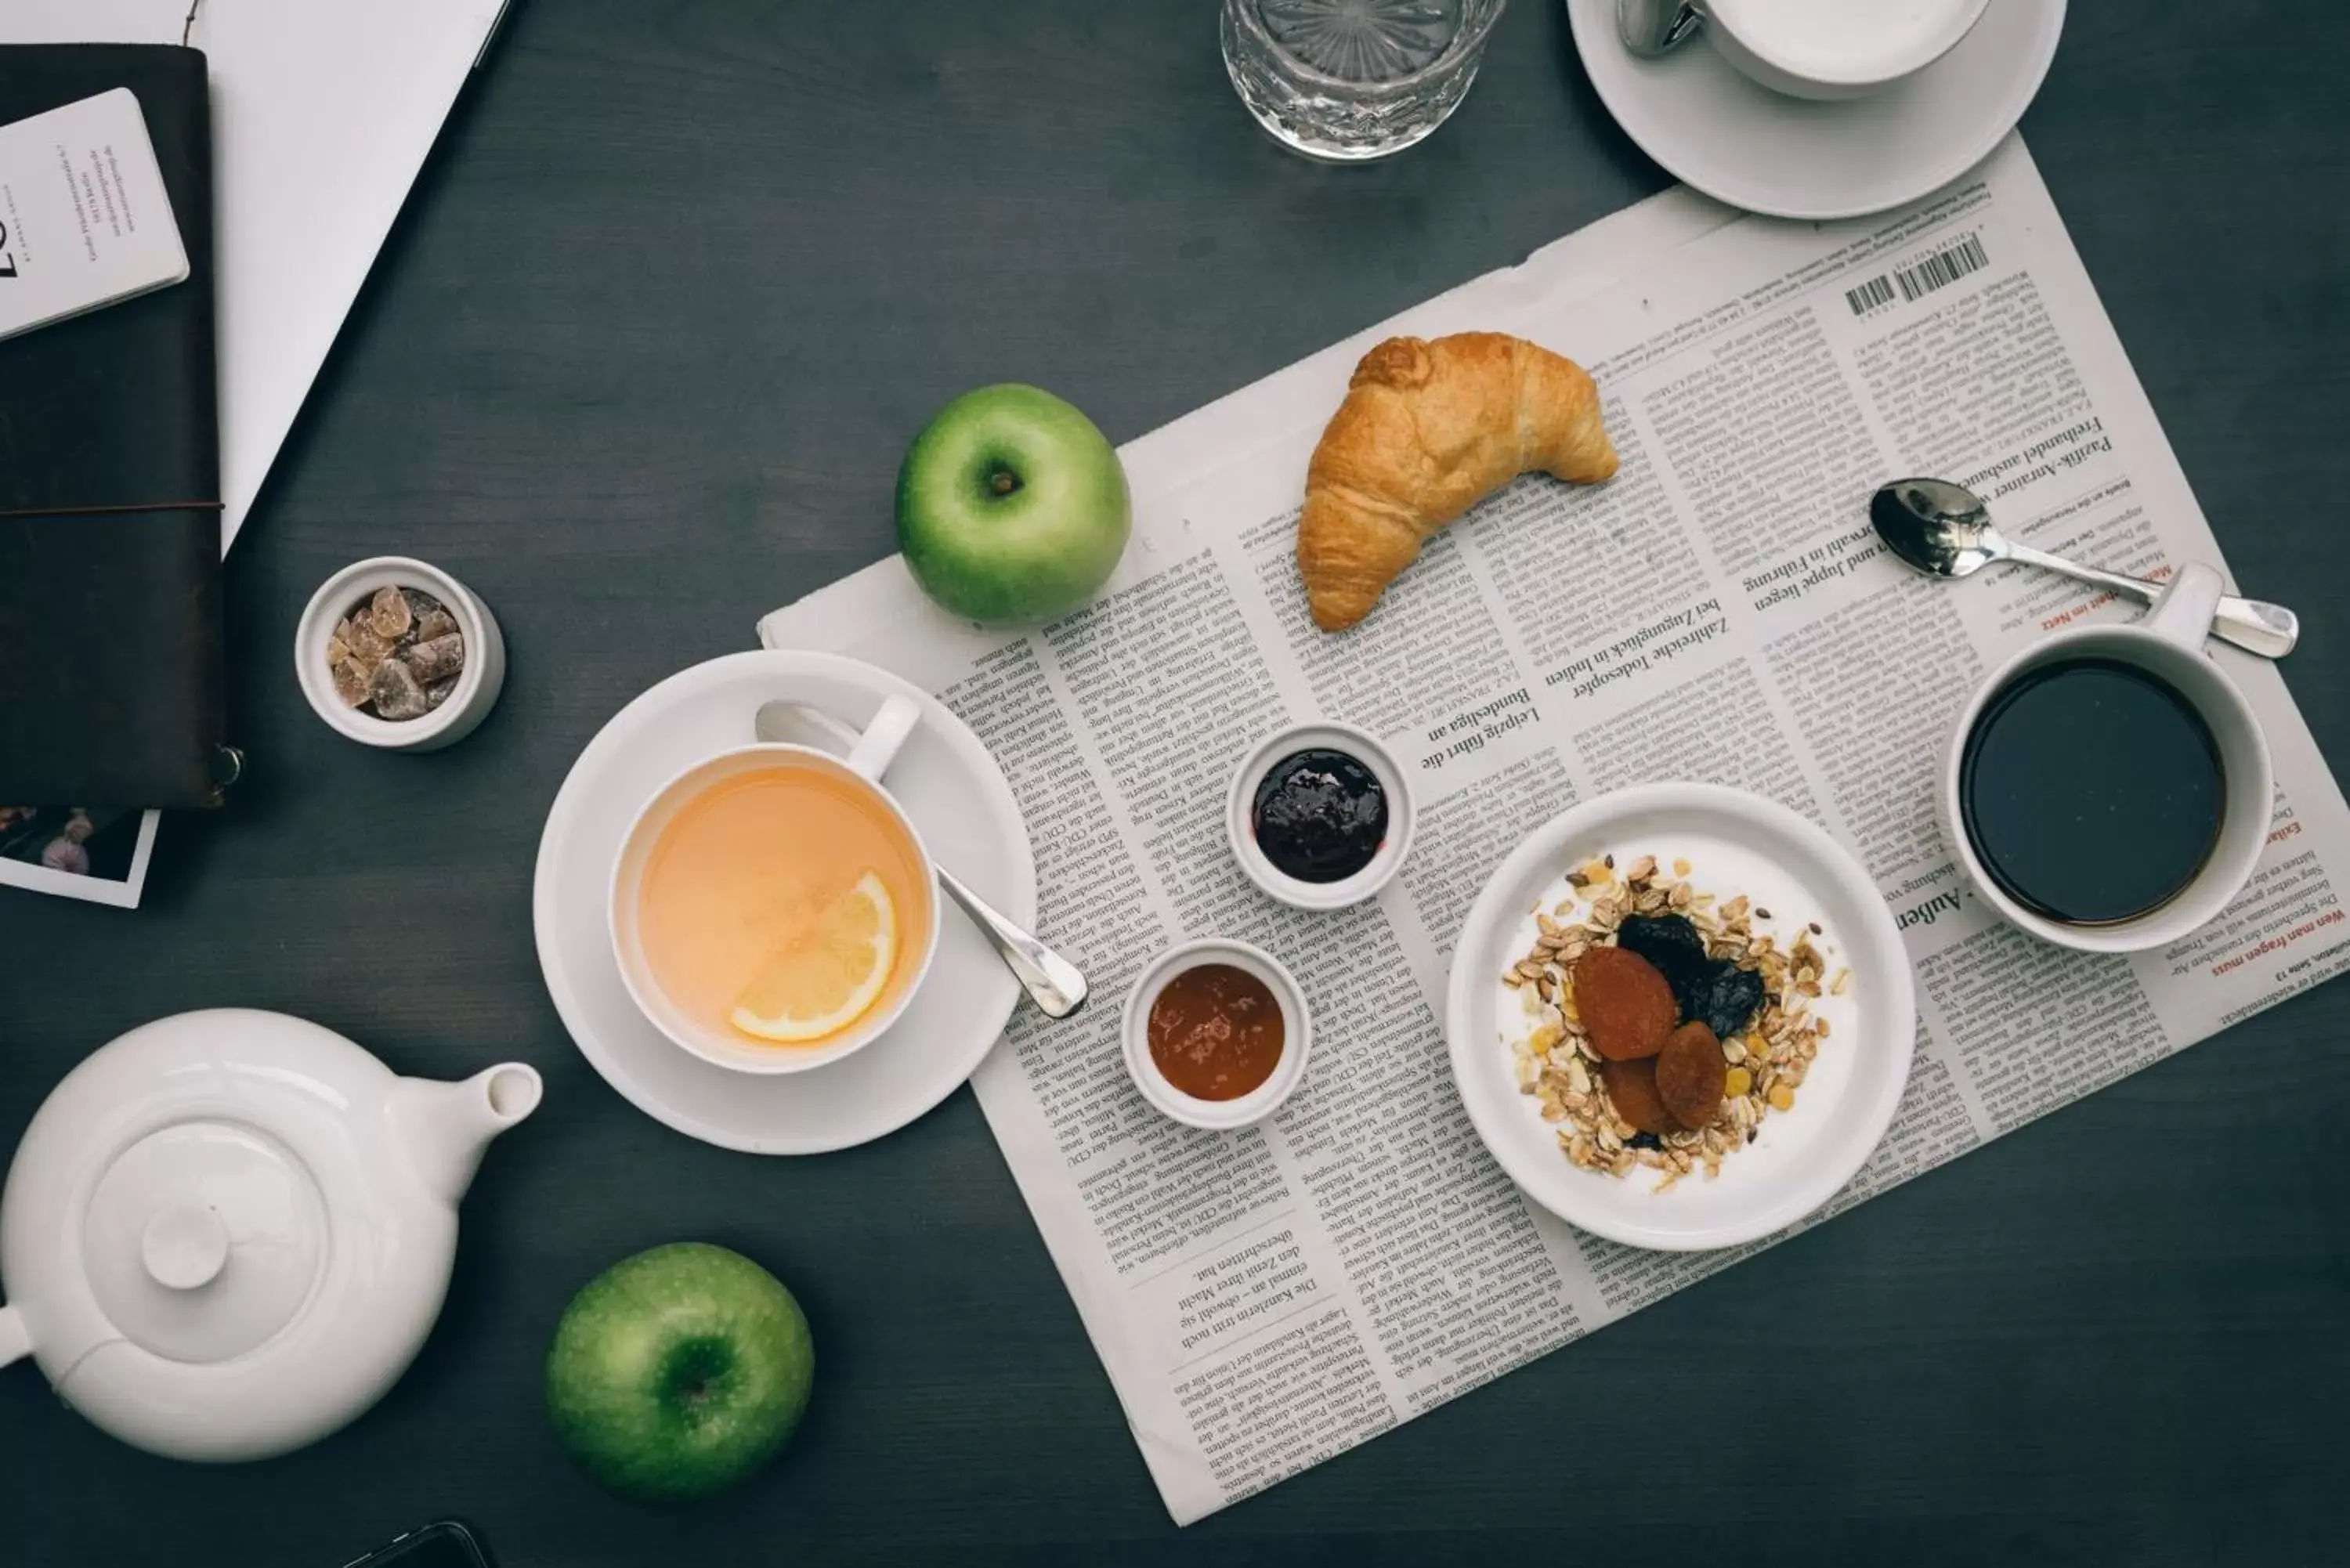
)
(1942, 268)
(1877, 291)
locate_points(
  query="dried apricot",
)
(1690, 1073)
(1624, 1002)
(1632, 1090)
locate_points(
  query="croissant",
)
(1427, 429)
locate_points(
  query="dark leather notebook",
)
(109, 488)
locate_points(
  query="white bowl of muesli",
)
(1680, 1016)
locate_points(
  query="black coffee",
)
(2092, 791)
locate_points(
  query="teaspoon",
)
(1653, 28)
(1945, 531)
(1052, 981)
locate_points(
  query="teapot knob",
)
(183, 1247)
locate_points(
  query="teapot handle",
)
(15, 1339)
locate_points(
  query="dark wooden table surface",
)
(638, 364)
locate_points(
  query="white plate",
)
(1740, 142)
(1804, 1155)
(947, 783)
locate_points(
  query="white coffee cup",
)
(1836, 48)
(2166, 642)
(862, 768)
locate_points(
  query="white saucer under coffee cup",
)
(2166, 642)
(1836, 48)
(1718, 130)
(862, 768)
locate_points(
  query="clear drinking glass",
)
(1347, 80)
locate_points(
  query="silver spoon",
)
(1653, 28)
(1945, 531)
(1052, 981)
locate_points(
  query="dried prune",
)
(1632, 1090)
(1625, 1004)
(1669, 941)
(1714, 992)
(1690, 1075)
(1725, 1000)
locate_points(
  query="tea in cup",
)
(1836, 48)
(773, 908)
(2108, 788)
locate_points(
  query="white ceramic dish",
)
(1364, 748)
(1740, 142)
(950, 788)
(1767, 40)
(2167, 641)
(1296, 1035)
(1804, 1155)
(226, 1233)
(477, 686)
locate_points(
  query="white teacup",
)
(862, 768)
(1836, 48)
(2167, 642)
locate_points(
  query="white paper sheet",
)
(322, 113)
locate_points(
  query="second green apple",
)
(1012, 506)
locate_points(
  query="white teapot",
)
(227, 1234)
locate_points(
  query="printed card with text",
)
(84, 218)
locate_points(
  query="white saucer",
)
(947, 783)
(1742, 143)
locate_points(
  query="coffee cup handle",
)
(877, 747)
(2182, 613)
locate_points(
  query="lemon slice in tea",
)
(829, 975)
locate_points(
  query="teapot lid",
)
(218, 1236)
(202, 1238)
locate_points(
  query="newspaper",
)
(1721, 611)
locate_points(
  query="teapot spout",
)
(445, 1127)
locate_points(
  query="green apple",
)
(677, 1373)
(1012, 506)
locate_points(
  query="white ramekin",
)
(477, 685)
(1296, 1035)
(1240, 828)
